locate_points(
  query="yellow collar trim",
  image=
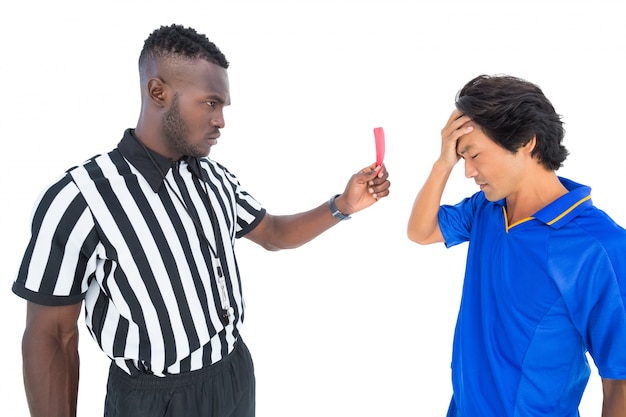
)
(506, 220)
(551, 222)
(559, 217)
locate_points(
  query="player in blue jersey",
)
(545, 278)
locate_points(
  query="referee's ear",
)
(156, 91)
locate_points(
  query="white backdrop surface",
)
(360, 321)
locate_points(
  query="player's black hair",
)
(511, 111)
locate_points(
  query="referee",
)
(143, 235)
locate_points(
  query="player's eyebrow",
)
(464, 149)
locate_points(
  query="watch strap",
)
(337, 214)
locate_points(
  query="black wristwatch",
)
(335, 211)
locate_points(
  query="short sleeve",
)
(248, 211)
(455, 221)
(591, 276)
(59, 257)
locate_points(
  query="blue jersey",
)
(537, 296)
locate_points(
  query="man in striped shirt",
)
(144, 236)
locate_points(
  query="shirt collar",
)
(565, 208)
(151, 165)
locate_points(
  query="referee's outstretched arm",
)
(290, 231)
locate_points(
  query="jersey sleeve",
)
(60, 255)
(249, 212)
(455, 221)
(591, 275)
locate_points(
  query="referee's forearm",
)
(293, 230)
(51, 369)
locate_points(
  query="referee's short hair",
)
(175, 42)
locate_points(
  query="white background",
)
(360, 321)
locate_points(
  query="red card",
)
(379, 137)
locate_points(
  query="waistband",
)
(240, 351)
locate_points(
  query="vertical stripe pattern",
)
(146, 275)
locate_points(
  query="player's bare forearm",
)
(614, 403)
(423, 226)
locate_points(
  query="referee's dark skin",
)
(182, 105)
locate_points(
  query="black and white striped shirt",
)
(115, 233)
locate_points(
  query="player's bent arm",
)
(50, 359)
(423, 225)
(614, 404)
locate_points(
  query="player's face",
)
(192, 123)
(497, 171)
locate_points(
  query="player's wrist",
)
(444, 165)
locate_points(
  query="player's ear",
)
(529, 146)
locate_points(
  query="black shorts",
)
(225, 389)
